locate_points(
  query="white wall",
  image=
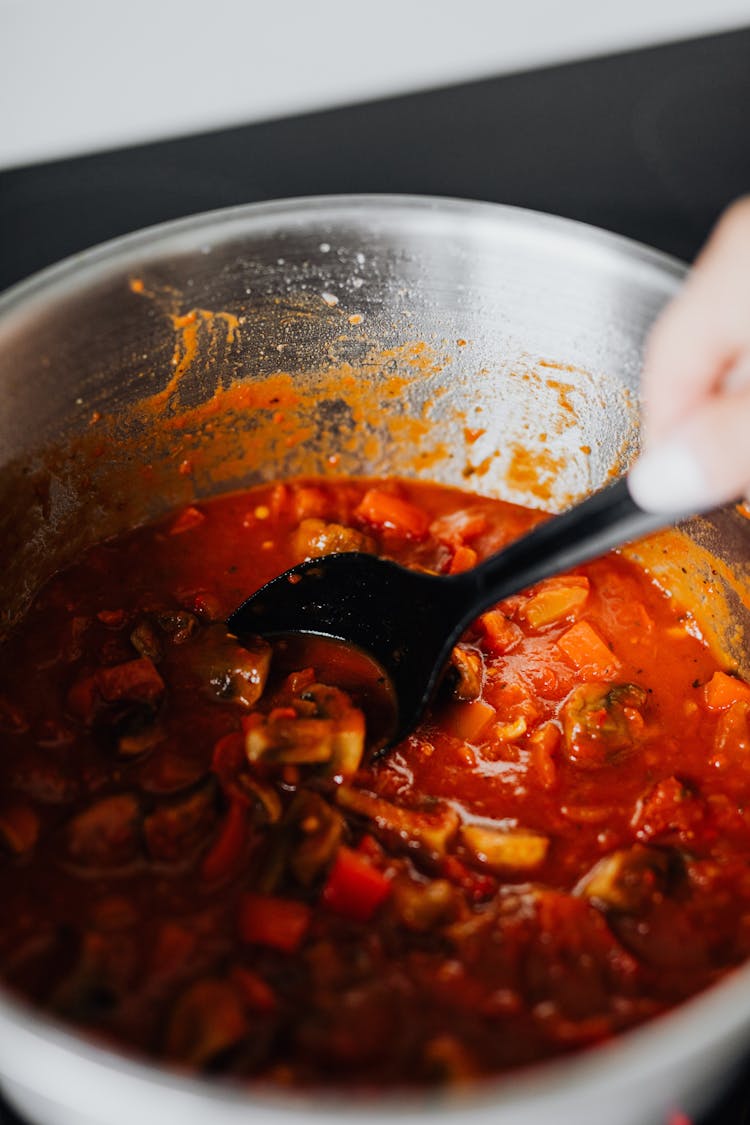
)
(82, 75)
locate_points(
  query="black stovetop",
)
(651, 144)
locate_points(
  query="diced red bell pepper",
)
(355, 888)
(226, 849)
(280, 923)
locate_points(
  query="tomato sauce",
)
(202, 864)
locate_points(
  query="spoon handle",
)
(605, 520)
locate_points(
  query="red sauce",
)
(201, 865)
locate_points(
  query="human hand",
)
(696, 382)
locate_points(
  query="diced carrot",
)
(280, 923)
(722, 691)
(354, 887)
(257, 994)
(186, 521)
(555, 601)
(464, 558)
(586, 650)
(499, 632)
(383, 509)
(468, 720)
(227, 848)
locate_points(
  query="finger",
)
(702, 463)
(701, 335)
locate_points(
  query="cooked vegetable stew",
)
(200, 864)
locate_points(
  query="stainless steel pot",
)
(398, 330)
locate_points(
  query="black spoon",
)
(409, 621)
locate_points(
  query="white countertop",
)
(79, 76)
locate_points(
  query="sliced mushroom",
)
(229, 670)
(319, 727)
(146, 642)
(626, 879)
(422, 906)
(282, 738)
(139, 738)
(317, 830)
(265, 797)
(178, 624)
(505, 850)
(602, 722)
(466, 673)
(432, 831)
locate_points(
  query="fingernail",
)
(669, 478)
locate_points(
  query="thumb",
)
(702, 463)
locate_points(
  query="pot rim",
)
(84, 266)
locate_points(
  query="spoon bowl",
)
(408, 621)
